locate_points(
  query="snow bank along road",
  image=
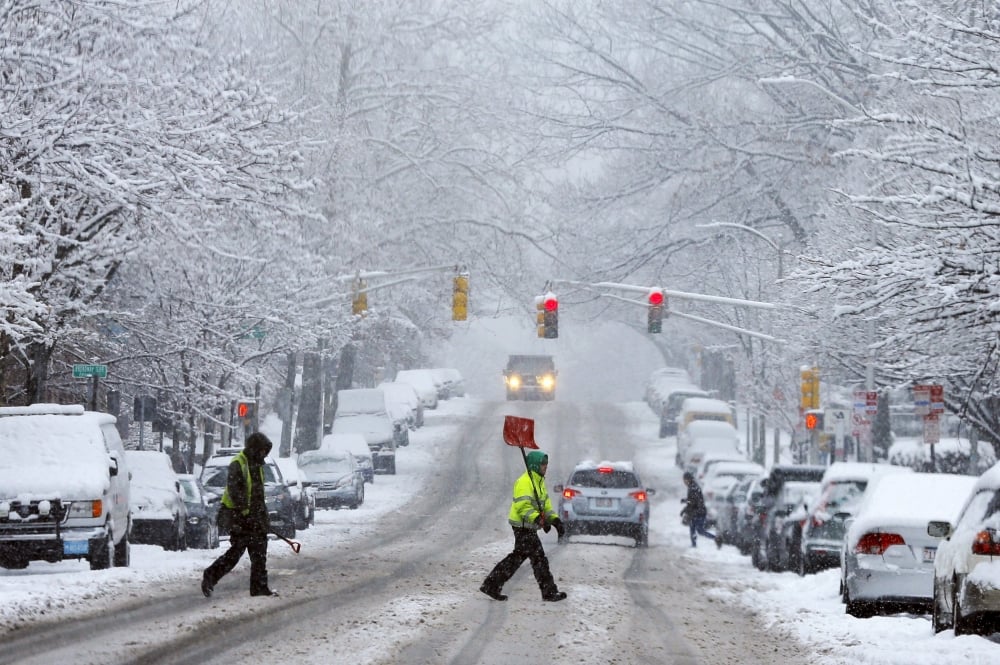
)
(406, 590)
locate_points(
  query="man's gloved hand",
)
(540, 521)
(560, 529)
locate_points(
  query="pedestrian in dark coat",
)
(694, 509)
(243, 502)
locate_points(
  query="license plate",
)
(75, 547)
(604, 503)
(929, 553)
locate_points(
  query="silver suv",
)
(64, 487)
(605, 498)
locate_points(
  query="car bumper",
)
(153, 532)
(822, 553)
(869, 578)
(70, 544)
(334, 498)
(978, 596)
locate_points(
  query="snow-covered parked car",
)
(967, 563)
(887, 561)
(159, 515)
(303, 494)
(403, 405)
(357, 446)
(335, 476)
(423, 383)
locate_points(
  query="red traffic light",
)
(243, 409)
(656, 297)
(551, 304)
(812, 421)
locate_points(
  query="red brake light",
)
(878, 543)
(569, 493)
(605, 469)
(985, 543)
(639, 495)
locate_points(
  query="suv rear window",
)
(613, 480)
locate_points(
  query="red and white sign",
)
(932, 428)
(928, 398)
(866, 402)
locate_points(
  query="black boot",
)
(554, 596)
(492, 593)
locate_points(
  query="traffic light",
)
(359, 303)
(814, 421)
(551, 316)
(810, 388)
(460, 297)
(540, 316)
(654, 317)
(246, 411)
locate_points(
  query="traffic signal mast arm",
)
(406, 276)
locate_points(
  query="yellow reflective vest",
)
(244, 463)
(525, 508)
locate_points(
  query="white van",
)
(362, 411)
(704, 408)
(64, 487)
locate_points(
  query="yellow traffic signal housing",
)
(460, 297)
(809, 388)
(359, 302)
(540, 317)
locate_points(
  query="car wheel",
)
(181, 538)
(215, 536)
(857, 609)
(123, 552)
(938, 622)
(962, 625)
(300, 520)
(642, 540)
(804, 567)
(756, 557)
(392, 466)
(100, 559)
(12, 562)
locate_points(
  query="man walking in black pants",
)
(531, 510)
(243, 500)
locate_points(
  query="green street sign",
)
(87, 371)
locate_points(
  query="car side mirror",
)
(559, 488)
(650, 491)
(177, 486)
(939, 529)
(113, 467)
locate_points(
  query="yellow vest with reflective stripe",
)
(525, 508)
(245, 466)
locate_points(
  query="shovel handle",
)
(296, 546)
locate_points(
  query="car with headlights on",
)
(530, 377)
(887, 561)
(159, 516)
(335, 477)
(281, 506)
(202, 515)
(605, 498)
(967, 564)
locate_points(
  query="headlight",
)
(514, 382)
(86, 508)
(193, 520)
(548, 382)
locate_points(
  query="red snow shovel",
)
(520, 433)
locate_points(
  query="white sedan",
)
(887, 561)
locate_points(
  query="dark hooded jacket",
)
(245, 488)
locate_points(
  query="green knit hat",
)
(536, 458)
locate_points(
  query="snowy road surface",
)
(395, 581)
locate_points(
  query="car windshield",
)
(190, 490)
(216, 476)
(324, 463)
(614, 480)
(843, 496)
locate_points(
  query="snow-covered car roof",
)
(150, 468)
(910, 499)
(733, 465)
(990, 480)
(589, 465)
(710, 428)
(705, 405)
(846, 471)
(352, 442)
(48, 448)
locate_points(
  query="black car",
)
(202, 513)
(772, 511)
(281, 507)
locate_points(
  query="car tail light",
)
(986, 543)
(569, 493)
(605, 469)
(878, 543)
(638, 496)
